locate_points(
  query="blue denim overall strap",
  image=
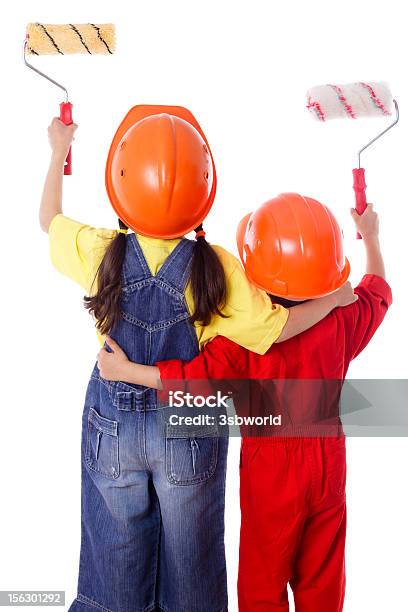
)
(175, 270)
(155, 319)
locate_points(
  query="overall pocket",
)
(102, 445)
(191, 453)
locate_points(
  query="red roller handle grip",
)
(66, 117)
(359, 186)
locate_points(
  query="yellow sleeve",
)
(76, 250)
(252, 320)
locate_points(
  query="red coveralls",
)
(293, 500)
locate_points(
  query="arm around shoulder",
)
(306, 315)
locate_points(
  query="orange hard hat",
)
(292, 247)
(160, 174)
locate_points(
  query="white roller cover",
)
(352, 101)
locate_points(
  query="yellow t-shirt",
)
(252, 321)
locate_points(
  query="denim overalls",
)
(152, 503)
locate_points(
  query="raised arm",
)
(367, 225)
(60, 137)
(375, 296)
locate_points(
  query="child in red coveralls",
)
(292, 487)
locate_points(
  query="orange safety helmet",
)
(292, 247)
(160, 174)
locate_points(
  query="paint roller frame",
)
(359, 182)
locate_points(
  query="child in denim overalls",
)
(153, 500)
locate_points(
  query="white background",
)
(243, 68)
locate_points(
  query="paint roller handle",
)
(66, 117)
(359, 186)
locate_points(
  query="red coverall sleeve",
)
(220, 359)
(363, 317)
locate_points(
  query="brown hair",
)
(208, 283)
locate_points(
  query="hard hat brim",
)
(343, 278)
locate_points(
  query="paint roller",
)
(66, 39)
(354, 101)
